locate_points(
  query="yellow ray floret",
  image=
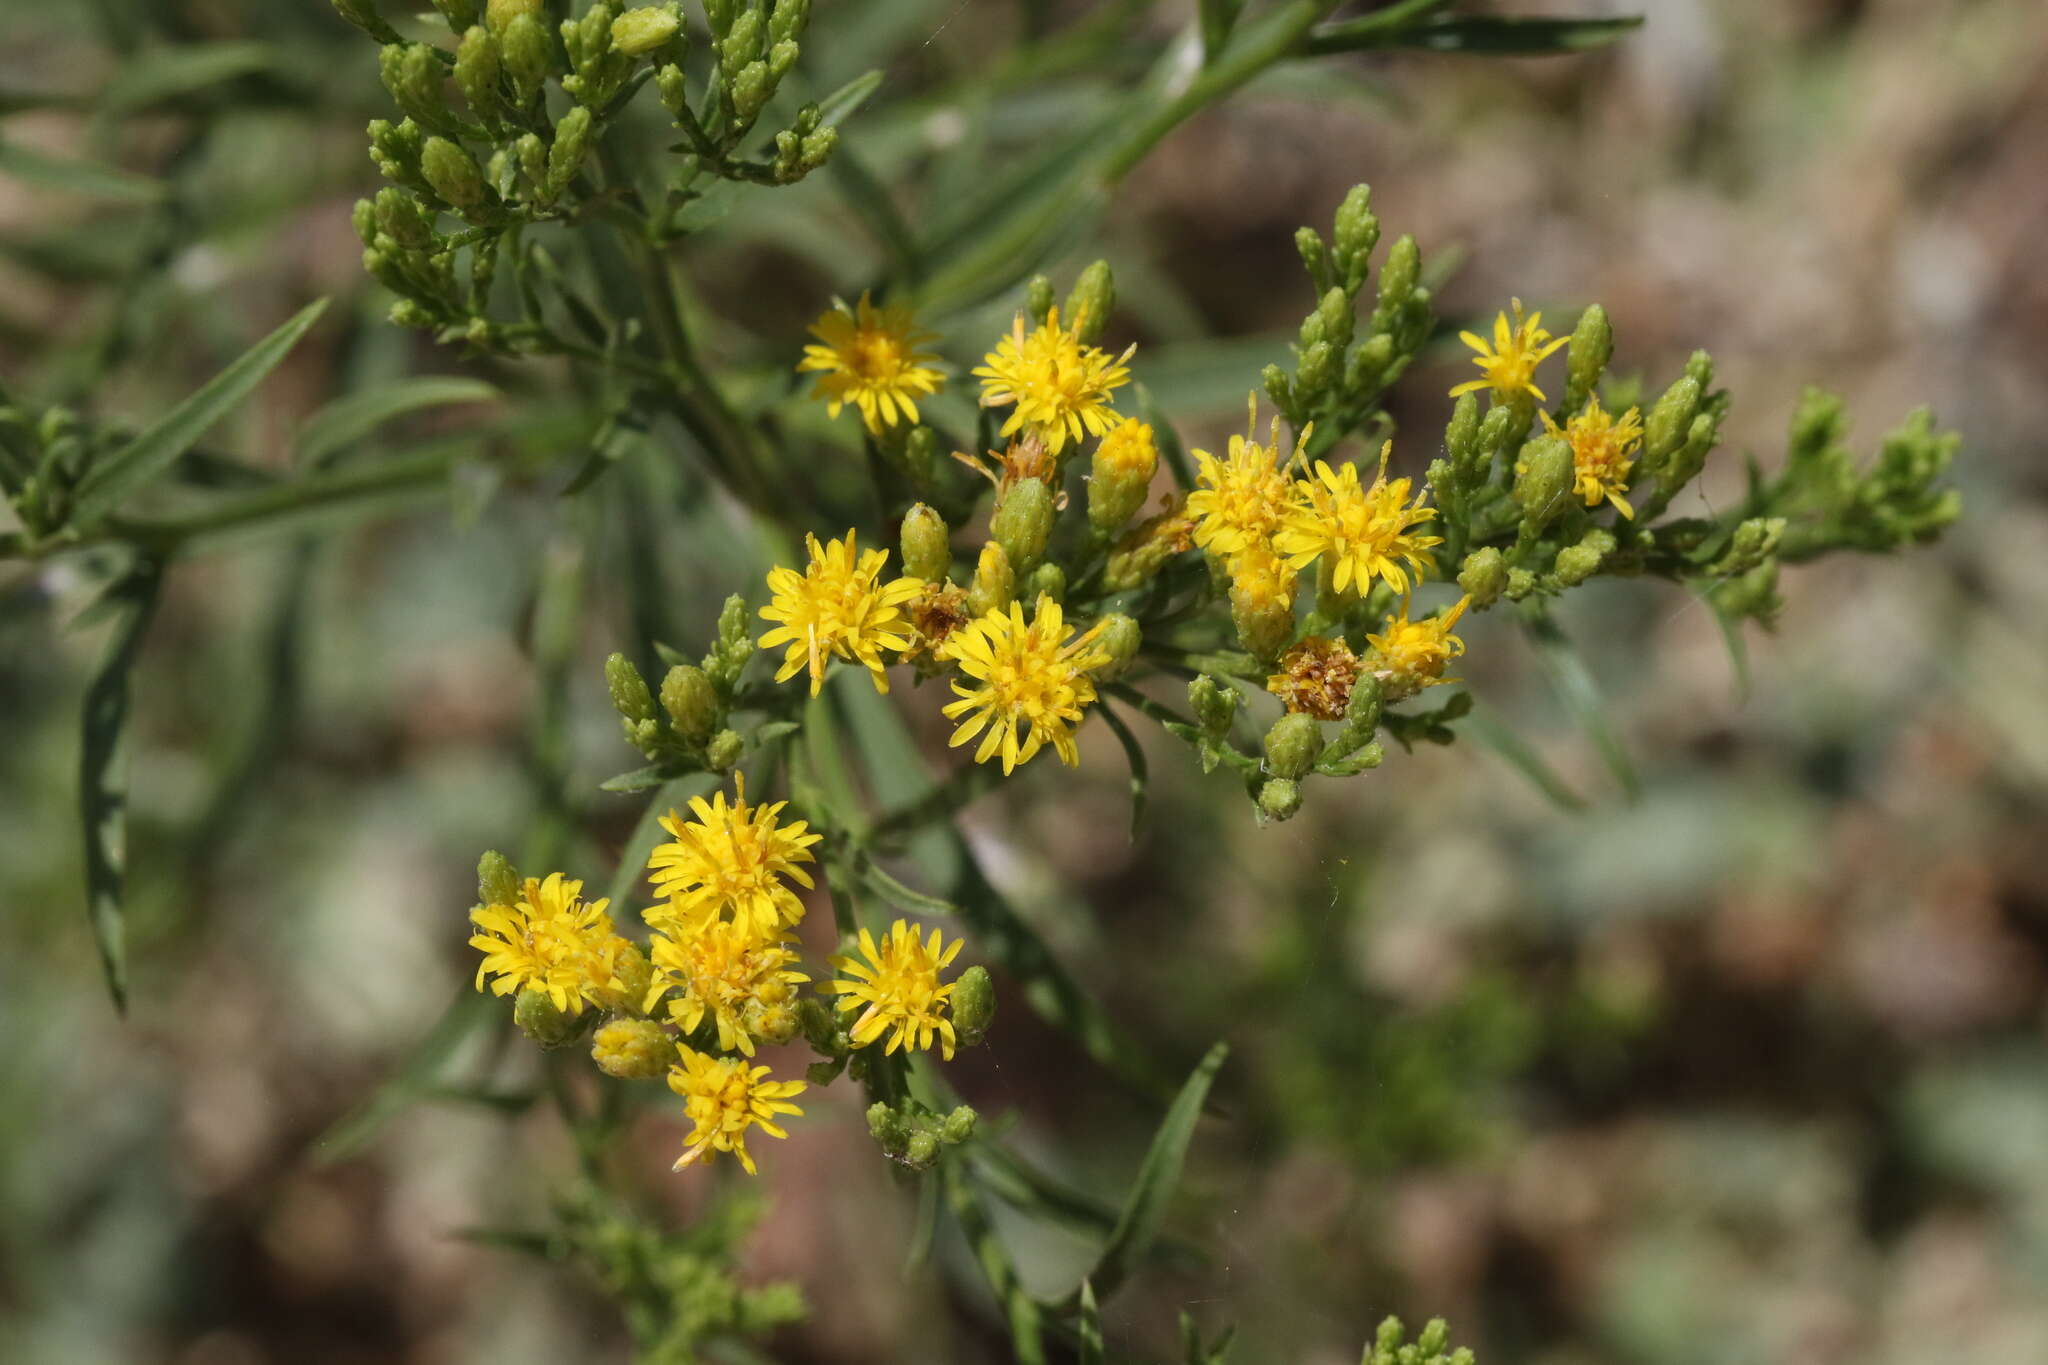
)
(1059, 387)
(1509, 363)
(1603, 453)
(1020, 676)
(550, 941)
(716, 969)
(872, 359)
(1239, 501)
(723, 1098)
(1366, 531)
(1411, 655)
(897, 989)
(837, 607)
(730, 859)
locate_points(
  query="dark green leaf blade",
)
(1514, 37)
(415, 1079)
(1575, 686)
(70, 176)
(102, 776)
(158, 447)
(353, 416)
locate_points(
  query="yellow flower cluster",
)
(551, 941)
(872, 359)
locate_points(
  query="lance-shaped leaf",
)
(70, 176)
(1575, 687)
(1493, 37)
(350, 418)
(102, 774)
(152, 452)
(417, 1078)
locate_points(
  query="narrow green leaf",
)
(838, 106)
(1135, 755)
(353, 416)
(1089, 1327)
(157, 448)
(647, 833)
(1145, 1207)
(71, 176)
(522, 1241)
(166, 73)
(1580, 694)
(1492, 37)
(415, 1079)
(1497, 735)
(899, 895)
(102, 775)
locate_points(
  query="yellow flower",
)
(552, 942)
(899, 985)
(1603, 452)
(871, 358)
(719, 970)
(837, 606)
(1240, 501)
(1316, 678)
(1365, 531)
(1025, 675)
(1509, 364)
(1412, 655)
(724, 1097)
(1059, 386)
(730, 858)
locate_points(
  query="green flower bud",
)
(1685, 463)
(1358, 232)
(742, 44)
(719, 15)
(1334, 314)
(1091, 302)
(1022, 522)
(1666, 425)
(462, 15)
(533, 158)
(1292, 745)
(478, 66)
(496, 881)
(995, 583)
(1047, 580)
(500, 14)
(958, 1126)
(888, 1127)
(1699, 368)
(781, 61)
(751, 88)
(927, 544)
(453, 173)
(1483, 576)
(1315, 257)
(1543, 480)
(1119, 640)
(528, 54)
(921, 1153)
(1314, 371)
(673, 87)
(638, 32)
(573, 136)
(1398, 275)
(1370, 363)
(1215, 705)
(1280, 389)
(1577, 563)
(1754, 541)
(1120, 475)
(363, 14)
(1754, 594)
(363, 218)
(1592, 345)
(1038, 298)
(628, 689)
(723, 753)
(1279, 799)
(1461, 435)
(632, 1049)
(920, 452)
(691, 702)
(1521, 582)
(820, 1029)
(636, 976)
(1262, 609)
(974, 1006)
(412, 73)
(540, 1019)
(773, 1022)
(400, 218)
(789, 19)
(1362, 711)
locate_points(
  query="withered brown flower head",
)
(1316, 678)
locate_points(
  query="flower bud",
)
(1754, 594)
(635, 976)
(921, 446)
(1483, 576)
(478, 66)
(632, 1049)
(1091, 301)
(789, 19)
(1397, 281)
(1047, 580)
(1120, 475)
(496, 882)
(1262, 605)
(630, 697)
(742, 43)
(958, 1126)
(363, 218)
(922, 1151)
(454, 175)
(1755, 540)
(1577, 563)
(888, 1127)
(412, 73)
(691, 702)
(1215, 706)
(1699, 368)
(1280, 389)
(1357, 233)
(540, 1019)
(1292, 745)
(820, 1029)
(774, 1022)
(1668, 420)
(1334, 314)
(1279, 799)
(974, 1005)
(462, 15)
(638, 32)
(1461, 435)
(565, 158)
(1119, 639)
(1521, 582)
(673, 87)
(528, 54)
(1592, 346)
(1038, 299)
(723, 753)
(927, 544)
(499, 14)
(1315, 257)
(1543, 480)
(751, 87)
(1023, 522)
(995, 583)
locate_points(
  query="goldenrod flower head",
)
(1364, 530)
(724, 1097)
(717, 969)
(1316, 678)
(632, 1049)
(1240, 501)
(1603, 452)
(550, 941)
(935, 613)
(871, 358)
(1509, 364)
(1262, 601)
(730, 858)
(1412, 655)
(899, 987)
(1059, 387)
(1024, 675)
(837, 606)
